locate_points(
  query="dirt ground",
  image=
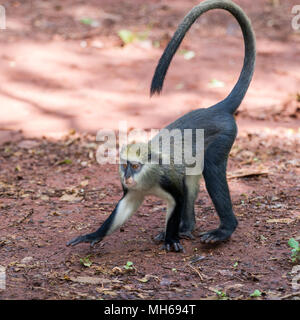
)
(65, 74)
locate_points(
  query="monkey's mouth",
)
(130, 182)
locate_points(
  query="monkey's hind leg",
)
(216, 184)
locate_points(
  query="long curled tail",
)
(234, 99)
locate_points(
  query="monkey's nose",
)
(130, 182)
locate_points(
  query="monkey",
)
(140, 177)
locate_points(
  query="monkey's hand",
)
(92, 238)
(173, 245)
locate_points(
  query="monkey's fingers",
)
(214, 236)
(77, 240)
(85, 238)
(95, 241)
(175, 246)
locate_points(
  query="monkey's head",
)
(134, 165)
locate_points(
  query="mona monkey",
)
(139, 177)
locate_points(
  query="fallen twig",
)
(197, 271)
(19, 221)
(294, 294)
(24, 217)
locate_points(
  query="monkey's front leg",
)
(171, 240)
(124, 209)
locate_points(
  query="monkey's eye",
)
(124, 166)
(135, 166)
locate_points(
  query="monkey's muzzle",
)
(130, 182)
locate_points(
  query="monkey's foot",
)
(173, 246)
(90, 238)
(183, 235)
(186, 235)
(214, 236)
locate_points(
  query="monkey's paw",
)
(173, 246)
(182, 235)
(91, 238)
(214, 236)
(186, 235)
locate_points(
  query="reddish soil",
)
(62, 80)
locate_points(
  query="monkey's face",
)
(129, 173)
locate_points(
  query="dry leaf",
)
(282, 220)
(118, 270)
(89, 280)
(70, 198)
(144, 280)
(128, 287)
(26, 260)
(25, 195)
(84, 183)
(110, 293)
(102, 196)
(44, 197)
(247, 173)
